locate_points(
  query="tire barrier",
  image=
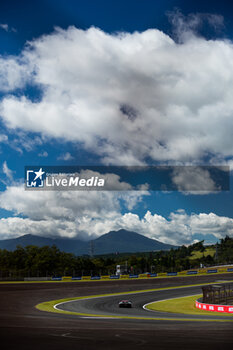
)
(30, 279)
(114, 277)
(130, 276)
(105, 277)
(124, 276)
(86, 278)
(212, 271)
(172, 273)
(192, 272)
(66, 278)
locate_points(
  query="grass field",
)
(198, 254)
(184, 305)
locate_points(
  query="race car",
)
(125, 303)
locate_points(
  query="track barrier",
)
(214, 308)
(124, 276)
(131, 276)
(192, 272)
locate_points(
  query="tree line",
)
(50, 261)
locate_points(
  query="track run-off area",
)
(92, 319)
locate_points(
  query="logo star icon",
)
(38, 174)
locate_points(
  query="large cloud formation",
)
(128, 97)
(91, 214)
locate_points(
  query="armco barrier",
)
(37, 279)
(56, 278)
(171, 273)
(76, 278)
(87, 278)
(182, 273)
(192, 272)
(66, 278)
(215, 308)
(124, 276)
(149, 275)
(162, 274)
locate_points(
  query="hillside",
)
(68, 245)
(121, 241)
(124, 241)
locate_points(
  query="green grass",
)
(184, 305)
(197, 254)
(49, 305)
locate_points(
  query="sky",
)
(115, 83)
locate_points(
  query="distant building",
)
(121, 269)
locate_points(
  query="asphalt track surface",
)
(25, 327)
(108, 305)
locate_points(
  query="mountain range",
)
(121, 241)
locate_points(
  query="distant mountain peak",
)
(121, 241)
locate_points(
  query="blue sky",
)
(66, 70)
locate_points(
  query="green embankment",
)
(184, 305)
(198, 254)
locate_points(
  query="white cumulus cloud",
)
(3, 138)
(91, 214)
(66, 156)
(43, 154)
(4, 26)
(66, 208)
(7, 171)
(125, 96)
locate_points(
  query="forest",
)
(50, 261)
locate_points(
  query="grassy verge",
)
(184, 305)
(199, 255)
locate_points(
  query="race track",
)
(25, 327)
(108, 305)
